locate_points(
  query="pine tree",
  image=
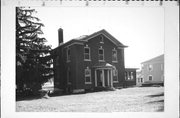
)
(33, 59)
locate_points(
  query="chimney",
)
(60, 36)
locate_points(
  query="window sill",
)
(68, 61)
(87, 60)
(88, 83)
(115, 81)
(115, 61)
(101, 61)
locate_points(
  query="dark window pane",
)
(86, 56)
(86, 50)
(100, 51)
(101, 57)
(88, 79)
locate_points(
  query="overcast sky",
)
(140, 28)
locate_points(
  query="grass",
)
(137, 99)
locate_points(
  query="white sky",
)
(140, 28)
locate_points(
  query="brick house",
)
(90, 61)
(152, 71)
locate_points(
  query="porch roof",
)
(104, 65)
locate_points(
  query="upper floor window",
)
(114, 55)
(68, 54)
(87, 53)
(101, 39)
(101, 54)
(150, 78)
(150, 67)
(87, 76)
(115, 75)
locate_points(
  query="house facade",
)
(152, 71)
(90, 61)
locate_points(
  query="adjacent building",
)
(152, 71)
(90, 61)
(130, 77)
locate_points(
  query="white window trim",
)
(89, 54)
(116, 56)
(68, 59)
(151, 68)
(117, 76)
(102, 39)
(132, 73)
(87, 69)
(149, 76)
(101, 54)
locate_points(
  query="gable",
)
(105, 34)
(155, 59)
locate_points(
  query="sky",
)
(140, 28)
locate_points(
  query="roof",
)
(155, 59)
(85, 38)
(104, 65)
(131, 69)
(105, 33)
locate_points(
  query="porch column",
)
(111, 78)
(108, 77)
(103, 84)
(95, 78)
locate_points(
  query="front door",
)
(103, 77)
(99, 78)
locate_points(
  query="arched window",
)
(101, 54)
(87, 76)
(87, 56)
(114, 55)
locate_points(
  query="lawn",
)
(136, 99)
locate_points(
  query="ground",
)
(136, 99)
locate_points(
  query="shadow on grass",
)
(158, 101)
(28, 98)
(156, 95)
(161, 101)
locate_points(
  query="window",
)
(101, 39)
(87, 53)
(142, 66)
(114, 55)
(150, 78)
(132, 77)
(101, 54)
(150, 67)
(87, 76)
(68, 55)
(115, 75)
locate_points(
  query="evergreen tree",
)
(33, 59)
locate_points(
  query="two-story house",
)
(152, 71)
(90, 61)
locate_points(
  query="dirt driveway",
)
(135, 99)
